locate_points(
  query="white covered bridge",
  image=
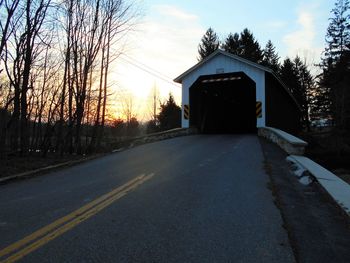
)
(226, 93)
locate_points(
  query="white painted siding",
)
(229, 65)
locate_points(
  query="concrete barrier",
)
(289, 143)
(336, 187)
(121, 145)
(128, 143)
(158, 136)
(165, 134)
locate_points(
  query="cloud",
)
(275, 25)
(175, 12)
(167, 42)
(306, 40)
(303, 38)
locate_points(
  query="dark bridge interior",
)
(223, 103)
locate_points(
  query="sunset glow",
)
(164, 44)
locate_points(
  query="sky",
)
(164, 42)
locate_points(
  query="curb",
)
(47, 169)
(336, 188)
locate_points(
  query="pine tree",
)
(321, 106)
(169, 116)
(288, 76)
(304, 88)
(232, 44)
(334, 83)
(271, 58)
(249, 47)
(209, 43)
(338, 31)
(298, 79)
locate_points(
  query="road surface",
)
(189, 199)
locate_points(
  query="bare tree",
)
(20, 45)
(7, 8)
(127, 102)
(68, 9)
(154, 102)
(116, 19)
(50, 91)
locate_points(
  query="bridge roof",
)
(218, 52)
(227, 54)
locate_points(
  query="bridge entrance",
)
(223, 103)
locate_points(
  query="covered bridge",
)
(225, 93)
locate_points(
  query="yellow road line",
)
(64, 219)
(66, 223)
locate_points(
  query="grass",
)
(16, 164)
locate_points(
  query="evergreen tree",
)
(232, 44)
(288, 75)
(303, 89)
(298, 79)
(151, 126)
(209, 43)
(249, 47)
(271, 58)
(244, 45)
(321, 106)
(170, 115)
(338, 31)
(334, 82)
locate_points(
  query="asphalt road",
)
(189, 199)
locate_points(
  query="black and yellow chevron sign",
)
(186, 111)
(258, 109)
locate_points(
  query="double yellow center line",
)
(42, 236)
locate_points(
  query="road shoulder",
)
(317, 230)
